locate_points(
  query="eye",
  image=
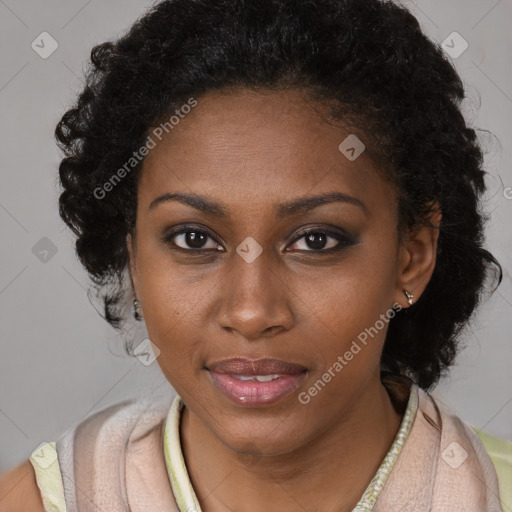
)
(321, 240)
(191, 238)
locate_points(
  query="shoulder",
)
(99, 442)
(487, 447)
(466, 451)
(101, 439)
(119, 423)
(98, 454)
(19, 491)
(500, 452)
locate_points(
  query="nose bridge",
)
(254, 298)
(252, 278)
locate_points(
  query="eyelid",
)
(343, 238)
(179, 230)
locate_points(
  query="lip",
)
(246, 366)
(253, 393)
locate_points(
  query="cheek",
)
(345, 306)
(176, 337)
(171, 305)
(352, 294)
(168, 291)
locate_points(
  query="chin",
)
(253, 438)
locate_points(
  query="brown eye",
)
(321, 241)
(191, 239)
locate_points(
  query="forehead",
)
(249, 146)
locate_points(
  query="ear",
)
(130, 246)
(417, 256)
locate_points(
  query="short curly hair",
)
(368, 59)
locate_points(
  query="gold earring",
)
(409, 296)
(136, 304)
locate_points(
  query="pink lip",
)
(252, 393)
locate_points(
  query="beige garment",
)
(443, 467)
(114, 461)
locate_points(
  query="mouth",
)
(256, 382)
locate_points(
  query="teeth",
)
(266, 378)
(259, 378)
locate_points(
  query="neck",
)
(331, 472)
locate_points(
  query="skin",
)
(19, 491)
(251, 152)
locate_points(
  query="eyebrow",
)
(293, 207)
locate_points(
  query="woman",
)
(289, 195)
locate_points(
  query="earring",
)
(136, 304)
(409, 296)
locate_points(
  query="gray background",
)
(60, 361)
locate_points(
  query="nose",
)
(255, 299)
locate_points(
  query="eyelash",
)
(343, 240)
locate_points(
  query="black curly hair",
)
(367, 59)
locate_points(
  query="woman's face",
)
(227, 275)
